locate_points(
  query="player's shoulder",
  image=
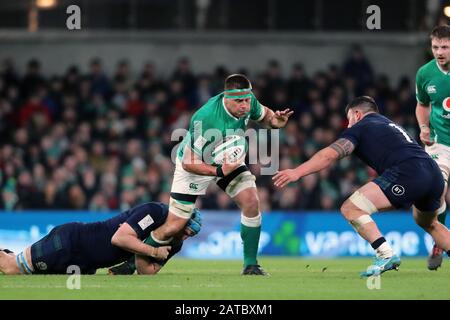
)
(151, 208)
(428, 68)
(208, 110)
(376, 119)
(254, 101)
(157, 206)
(369, 121)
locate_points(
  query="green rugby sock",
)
(152, 241)
(250, 237)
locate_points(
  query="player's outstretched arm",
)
(423, 119)
(321, 160)
(126, 238)
(277, 119)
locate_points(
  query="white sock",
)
(384, 251)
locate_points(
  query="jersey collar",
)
(228, 112)
(442, 70)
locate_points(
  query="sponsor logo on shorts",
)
(41, 265)
(398, 190)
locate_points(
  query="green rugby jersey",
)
(433, 87)
(214, 115)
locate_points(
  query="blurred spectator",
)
(358, 67)
(32, 79)
(99, 83)
(184, 74)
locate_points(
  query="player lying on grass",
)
(407, 176)
(91, 246)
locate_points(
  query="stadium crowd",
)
(99, 142)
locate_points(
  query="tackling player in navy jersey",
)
(407, 176)
(91, 246)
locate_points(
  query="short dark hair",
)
(237, 81)
(365, 103)
(440, 32)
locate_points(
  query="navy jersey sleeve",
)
(353, 134)
(146, 218)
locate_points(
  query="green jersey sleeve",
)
(421, 92)
(199, 138)
(257, 111)
(197, 142)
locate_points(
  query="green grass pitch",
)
(291, 279)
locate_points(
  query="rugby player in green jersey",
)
(433, 115)
(226, 112)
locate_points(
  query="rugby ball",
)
(233, 146)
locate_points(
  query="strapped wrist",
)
(423, 125)
(219, 172)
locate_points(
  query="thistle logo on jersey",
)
(41, 265)
(446, 104)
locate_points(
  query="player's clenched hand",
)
(280, 118)
(425, 136)
(282, 178)
(228, 167)
(160, 253)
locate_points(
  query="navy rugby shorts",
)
(55, 252)
(417, 182)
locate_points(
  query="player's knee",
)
(251, 204)
(179, 209)
(244, 182)
(347, 209)
(152, 269)
(356, 205)
(426, 224)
